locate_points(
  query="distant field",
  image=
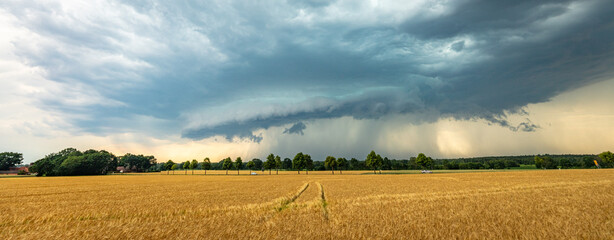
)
(552, 204)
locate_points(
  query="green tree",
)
(193, 165)
(270, 162)
(565, 163)
(550, 163)
(539, 162)
(185, 166)
(287, 164)
(50, 164)
(341, 164)
(10, 159)
(588, 162)
(298, 162)
(330, 163)
(45, 166)
(92, 162)
(138, 163)
(386, 164)
(423, 161)
(168, 166)
(72, 162)
(511, 164)
(446, 164)
(308, 163)
(545, 162)
(319, 166)
(607, 159)
(250, 165)
(374, 161)
(238, 164)
(257, 164)
(354, 164)
(227, 164)
(497, 164)
(174, 167)
(206, 165)
(278, 164)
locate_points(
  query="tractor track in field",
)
(285, 201)
(323, 202)
(290, 202)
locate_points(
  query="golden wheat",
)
(565, 204)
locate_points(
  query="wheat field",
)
(553, 204)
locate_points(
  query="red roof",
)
(18, 169)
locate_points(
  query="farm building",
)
(14, 170)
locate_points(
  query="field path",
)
(323, 201)
(285, 201)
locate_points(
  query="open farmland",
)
(551, 204)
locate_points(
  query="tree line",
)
(604, 159)
(374, 162)
(71, 161)
(301, 163)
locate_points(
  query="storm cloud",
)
(231, 68)
(297, 128)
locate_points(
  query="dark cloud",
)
(297, 128)
(480, 60)
(480, 17)
(369, 105)
(526, 126)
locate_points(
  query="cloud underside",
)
(233, 68)
(297, 128)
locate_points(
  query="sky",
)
(186, 80)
